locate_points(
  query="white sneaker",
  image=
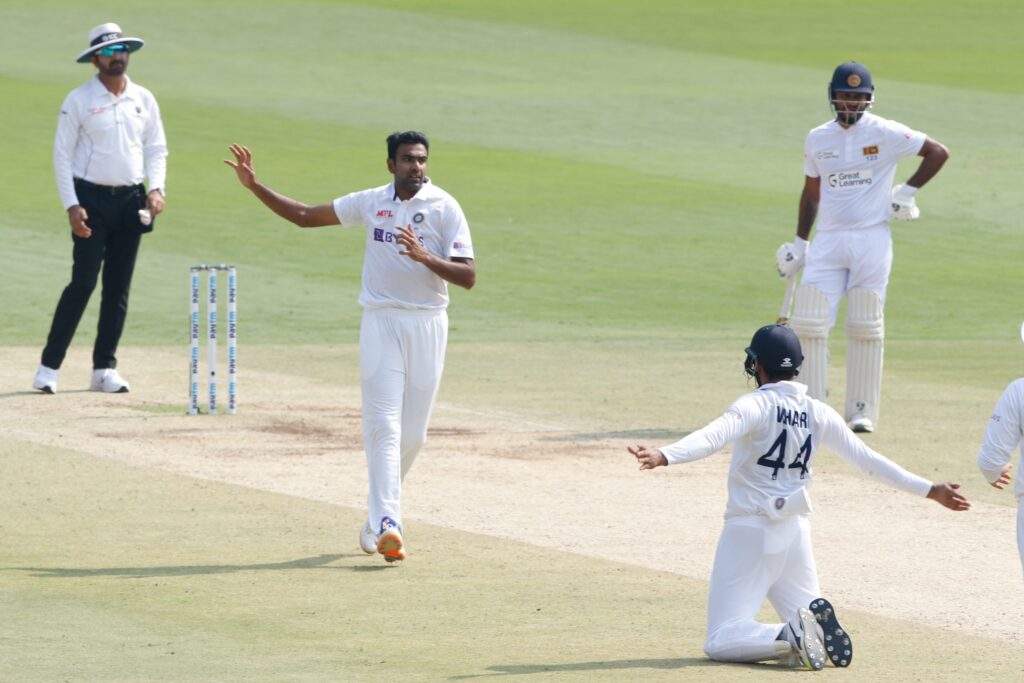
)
(109, 381)
(861, 424)
(806, 637)
(46, 380)
(368, 539)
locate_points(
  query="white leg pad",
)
(810, 322)
(865, 333)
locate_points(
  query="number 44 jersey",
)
(777, 433)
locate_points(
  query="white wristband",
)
(799, 246)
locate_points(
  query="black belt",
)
(106, 189)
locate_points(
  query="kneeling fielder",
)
(765, 546)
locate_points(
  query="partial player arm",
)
(1002, 435)
(300, 214)
(63, 151)
(808, 210)
(934, 155)
(734, 423)
(155, 159)
(458, 271)
(838, 438)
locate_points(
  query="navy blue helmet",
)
(851, 77)
(777, 347)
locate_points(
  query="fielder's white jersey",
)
(776, 433)
(109, 139)
(857, 166)
(1003, 435)
(391, 280)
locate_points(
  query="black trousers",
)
(112, 248)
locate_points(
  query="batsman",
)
(850, 165)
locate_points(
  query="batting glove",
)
(789, 258)
(904, 207)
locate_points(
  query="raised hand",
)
(242, 165)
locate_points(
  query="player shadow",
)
(317, 562)
(624, 665)
(34, 392)
(655, 434)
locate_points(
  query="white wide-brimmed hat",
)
(108, 34)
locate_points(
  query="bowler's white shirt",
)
(1003, 435)
(109, 139)
(857, 166)
(755, 423)
(391, 280)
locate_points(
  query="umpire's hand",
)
(77, 216)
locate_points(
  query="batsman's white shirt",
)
(109, 139)
(391, 280)
(776, 432)
(1003, 435)
(857, 166)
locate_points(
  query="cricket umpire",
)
(109, 139)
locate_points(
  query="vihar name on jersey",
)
(790, 417)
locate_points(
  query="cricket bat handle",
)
(787, 301)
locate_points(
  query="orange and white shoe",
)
(389, 542)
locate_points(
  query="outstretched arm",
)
(948, 495)
(649, 458)
(838, 438)
(300, 214)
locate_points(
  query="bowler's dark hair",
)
(409, 137)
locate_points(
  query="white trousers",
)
(401, 357)
(757, 559)
(841, 260)
(1020, 529)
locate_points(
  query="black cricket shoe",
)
(838, 646)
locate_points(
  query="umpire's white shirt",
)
(391, 280)
(109, 139)
(1003, 436)
(776, 433)
(857, 166)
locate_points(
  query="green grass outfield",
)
(628, 170)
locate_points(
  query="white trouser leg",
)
(750, 563)
(401, 355)
(1020, 529)
(865, 332)
(811, 323)
(797, 584)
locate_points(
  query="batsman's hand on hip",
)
(77, 216)
(904, 206)
(948, 495)
(649, 458)
(789, 258)
(242, 165)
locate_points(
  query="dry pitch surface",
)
(548, 485)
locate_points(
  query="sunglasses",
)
(111, 50)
